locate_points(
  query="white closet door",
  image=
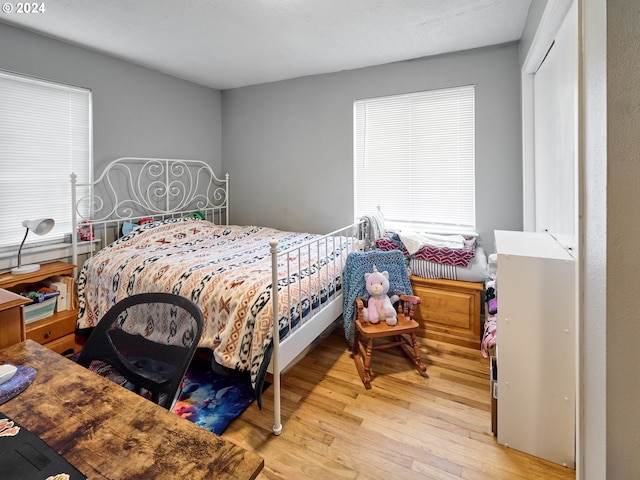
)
(556, 126)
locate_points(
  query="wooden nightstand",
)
(449, 310)
(11, 321)
(56, 332)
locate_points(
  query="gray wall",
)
(287, 145)
(136, 111)
(622, 229)
(289, 150)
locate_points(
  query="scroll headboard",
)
(132, 188)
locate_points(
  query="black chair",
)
(146, 342)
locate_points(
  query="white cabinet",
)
(536, 328)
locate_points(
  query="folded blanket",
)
(374, 226)
(354, 286)
(444, 255)
(415, 241)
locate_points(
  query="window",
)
(45, 134)
(414, 156)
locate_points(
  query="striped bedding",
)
(226, 270)
(475, 271)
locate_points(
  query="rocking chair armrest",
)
(407, 305)
(414, 300)
(361, 304)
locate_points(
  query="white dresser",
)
(536, 328)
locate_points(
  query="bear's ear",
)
(366, 276)
(385, 274)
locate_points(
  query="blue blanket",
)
(354, 286)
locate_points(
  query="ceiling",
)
(232, 43)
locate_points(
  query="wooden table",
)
(108, 432)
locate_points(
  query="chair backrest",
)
(354, 285)
(127, 339)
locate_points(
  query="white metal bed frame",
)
(133, 188)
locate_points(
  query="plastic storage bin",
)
(38, 311)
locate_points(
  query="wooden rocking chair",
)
(403, 335)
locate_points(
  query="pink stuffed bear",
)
(380, 306)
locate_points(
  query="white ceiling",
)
(232, 43)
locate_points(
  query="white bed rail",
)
(286, 264)
(133, 188)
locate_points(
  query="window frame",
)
(398, 127)
(70, 145)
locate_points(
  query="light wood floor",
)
(405, 427)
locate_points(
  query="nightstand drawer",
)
(65, 345)
(52, 328)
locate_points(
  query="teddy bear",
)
(380, 306)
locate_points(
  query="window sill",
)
(42, 254)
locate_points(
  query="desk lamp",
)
(41, 226)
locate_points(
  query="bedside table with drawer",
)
(449, 310)
(56, 332)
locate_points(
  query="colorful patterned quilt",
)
(226, 270)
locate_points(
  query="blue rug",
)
(212, 400)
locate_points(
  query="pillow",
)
(127, 227)
(197, 215)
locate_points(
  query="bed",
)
(163, 225)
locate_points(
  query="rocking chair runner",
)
(403, 334)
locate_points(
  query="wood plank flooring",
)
(405, 427)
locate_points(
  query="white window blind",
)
(45, 134)
(415, 158)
